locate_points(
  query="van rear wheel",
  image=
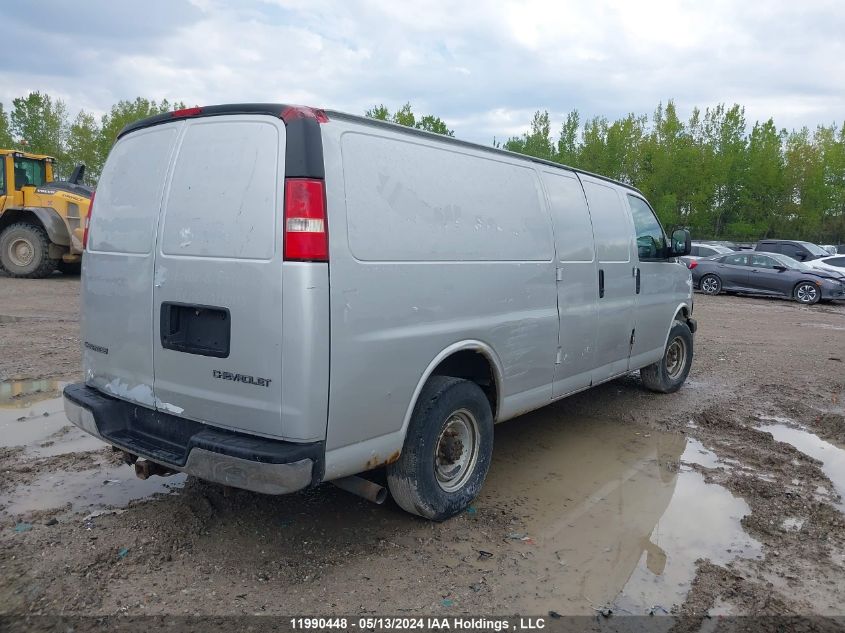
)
(669, 373)
(447, 450)
(25, 251)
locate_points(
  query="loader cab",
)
(31, 171)
(18, 171)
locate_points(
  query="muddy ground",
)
(725, 498)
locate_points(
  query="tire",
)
(25, 251)
(710, 285)
(806, 292)
(72, 268)
(430, 478)
(669, 373)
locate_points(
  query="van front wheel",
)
(447, 450)
(669, 373)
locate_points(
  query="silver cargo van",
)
(276, 296)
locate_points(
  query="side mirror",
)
(681, 243)
(780, 268)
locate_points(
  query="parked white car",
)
(834, 264)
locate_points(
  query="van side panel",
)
(117, 293)
(444, 245)
(576, 281)
(614, 235)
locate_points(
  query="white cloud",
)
(483, 66)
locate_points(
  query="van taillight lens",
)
(306, 232)
(88, 222)
(692, 264)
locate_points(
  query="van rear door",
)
(117, 292)
(217, 296)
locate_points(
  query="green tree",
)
(379, 112)
(122, 114)
(6, 140)
(537, 141)
(431, 123)
(762, 196)
(40, 124)
(405, 116)
(568, 147)
(83, 145)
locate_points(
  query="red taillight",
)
(692, 264)
(306, 233)
(291, 113)
(186, 112)
(88, 222)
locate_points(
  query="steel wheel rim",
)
(456, 451)
(676, 357)
(21, 252)
(806, 293)
(710, 286)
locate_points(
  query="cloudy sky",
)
(484, 67)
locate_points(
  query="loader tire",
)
(25, 251)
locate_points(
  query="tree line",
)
(711, 173)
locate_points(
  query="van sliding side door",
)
(576, 275)
(615, 282)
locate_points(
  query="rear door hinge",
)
(558, 356)
(559, 274)
(633, 335)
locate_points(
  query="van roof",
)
(278, 109)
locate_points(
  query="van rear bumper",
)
(219, 455)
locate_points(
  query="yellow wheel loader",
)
(42, 221)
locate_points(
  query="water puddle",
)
(609, 513)
(32, 415)
(17, 394)
(695, 453)
(109, 486)
(831, 456)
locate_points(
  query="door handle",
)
(601, 283)
(638, 281)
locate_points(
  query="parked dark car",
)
(801, 251)
(766, 273)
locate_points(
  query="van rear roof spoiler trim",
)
(304, 148)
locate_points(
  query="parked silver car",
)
(769, 274)
(277, 296)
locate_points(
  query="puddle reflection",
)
(831, 456)
(614, 516)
